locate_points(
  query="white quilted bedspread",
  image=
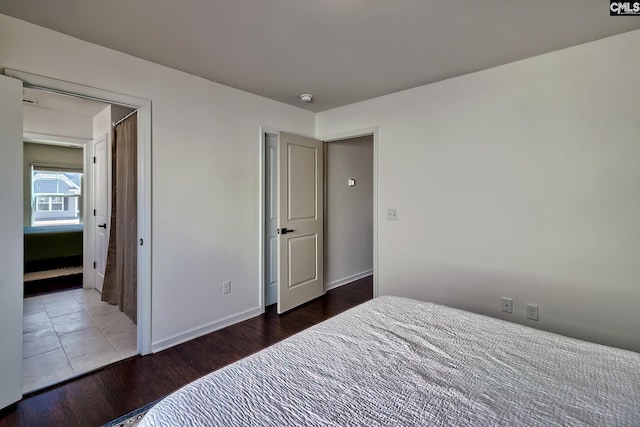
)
(399, 362)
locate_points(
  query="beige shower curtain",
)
(121, 271)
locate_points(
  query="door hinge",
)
(94, 212)
(94, 159)
(94, 264)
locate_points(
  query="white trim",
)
(207, 328)
(144, 181)
(144, 228)
(354, 134)
(68, 88)
(262, 210)
(340, 282)
(88, 221)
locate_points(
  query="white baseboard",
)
(337, 283)
(196, 332)
(190, 334)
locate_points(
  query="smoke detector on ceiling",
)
(306, 97)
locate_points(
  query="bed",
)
(397, 361)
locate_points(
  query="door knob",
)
(102, 226)
(284, 230)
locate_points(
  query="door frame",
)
(143, 178)
(93, 219)
(262, 252)
(268, 187)
(373, 131)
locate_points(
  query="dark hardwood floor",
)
(99, 397)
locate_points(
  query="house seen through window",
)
(56, 196)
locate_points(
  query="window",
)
(56, 195)
(51, 203)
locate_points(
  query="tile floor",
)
(70, 333)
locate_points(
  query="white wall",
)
(101, 123)
(349, 218)
(11, 242)
(518, 181)
(205, 161)
(41, 153)
(56, 122)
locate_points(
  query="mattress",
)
(395, 361)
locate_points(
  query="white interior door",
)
(300, 216)
(271, 220)
(11, 241)
(101, 191)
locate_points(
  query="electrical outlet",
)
(226, 287)
(507, 305)
(392, 214)
(532, 312)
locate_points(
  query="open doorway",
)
(53, 195)
(348, 213)
(348, 210)
(67, 329)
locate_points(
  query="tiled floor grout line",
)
(59, 336)
(65, 354)
(101, 330)
(107, 338)
(82, 305)
(106, 335)
(40, 354)
(82, 302)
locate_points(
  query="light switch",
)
(351, 182)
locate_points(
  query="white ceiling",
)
(341, 51)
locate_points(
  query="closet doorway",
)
(349, 200)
